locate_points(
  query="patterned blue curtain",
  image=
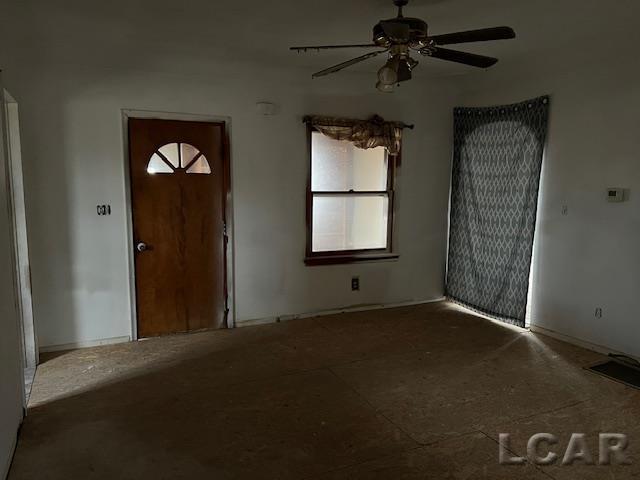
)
(494, 196)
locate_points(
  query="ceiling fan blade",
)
(346, 64)
(333, 47)
(482, 35)
(466, 58)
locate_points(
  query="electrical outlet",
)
(598, 312)
(355, 284)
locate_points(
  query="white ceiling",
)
(166, 32)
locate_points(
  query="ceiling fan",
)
(401, 36)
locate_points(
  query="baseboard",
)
(90, 343)
(250, 323)
(257, 321)
(322, 313)
(594, 347)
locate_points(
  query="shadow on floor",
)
(383, 394)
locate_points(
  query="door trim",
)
(126, 114)
(20, 242)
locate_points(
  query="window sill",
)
(350, 258)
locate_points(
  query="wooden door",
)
(178, 191)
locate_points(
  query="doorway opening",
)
(179, 189)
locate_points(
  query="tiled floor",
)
(410, 393)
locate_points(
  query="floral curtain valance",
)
(375, 132)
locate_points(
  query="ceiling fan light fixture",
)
(404, 73)
(388, 74)
(385, 88)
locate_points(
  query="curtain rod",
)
(309, 119)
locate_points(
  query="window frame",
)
(335, 257)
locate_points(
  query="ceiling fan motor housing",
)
(418, 32)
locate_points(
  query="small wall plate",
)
(615, 195)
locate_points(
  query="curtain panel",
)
(375, 132)
(497, 161)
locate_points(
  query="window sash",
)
(348, 233)
(330, 160)
(351, 192)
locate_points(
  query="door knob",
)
(141, 247)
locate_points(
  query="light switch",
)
(103, 210)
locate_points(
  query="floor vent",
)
(621, 369)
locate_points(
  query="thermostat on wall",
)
(615, 194)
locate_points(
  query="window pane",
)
(337, 165)
(170, 152)
(350, 222)
(187, 154)
(158, 165)
(200, 166)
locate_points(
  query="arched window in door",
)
(178, 157)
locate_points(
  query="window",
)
(349, 202)
(175, 157)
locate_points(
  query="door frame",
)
(126, 114)
(20, 241)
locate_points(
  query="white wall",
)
(589, 258)
(10, 350)
(83, 65)
(73, 160)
